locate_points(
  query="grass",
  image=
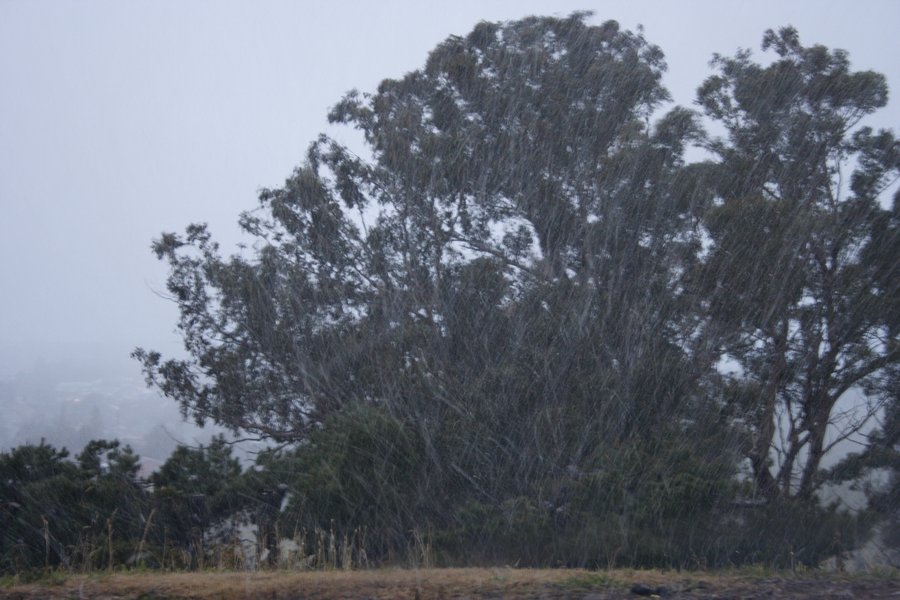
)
(422, 584)
(382, 583)
(34, 577)
(591, 581)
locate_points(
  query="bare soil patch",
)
(422, 584)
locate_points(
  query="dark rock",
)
(645, 590)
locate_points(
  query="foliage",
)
(359, 472)
(57, 512)
(197, 493)
(789, 533)
(330, 303)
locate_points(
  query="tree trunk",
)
(765, 432)
(816, 450)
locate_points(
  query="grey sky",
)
(119, 120)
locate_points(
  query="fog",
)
(122, 120)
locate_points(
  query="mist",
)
(120, 121)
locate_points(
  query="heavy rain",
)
(526, 312)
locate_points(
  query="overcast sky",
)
(119, 120)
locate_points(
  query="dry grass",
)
(423, 584)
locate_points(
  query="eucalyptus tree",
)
(801, 278)
(508, 256)
(505, 274)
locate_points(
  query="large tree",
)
(512, 248)
(801, 280)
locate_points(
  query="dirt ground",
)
(422, 584)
